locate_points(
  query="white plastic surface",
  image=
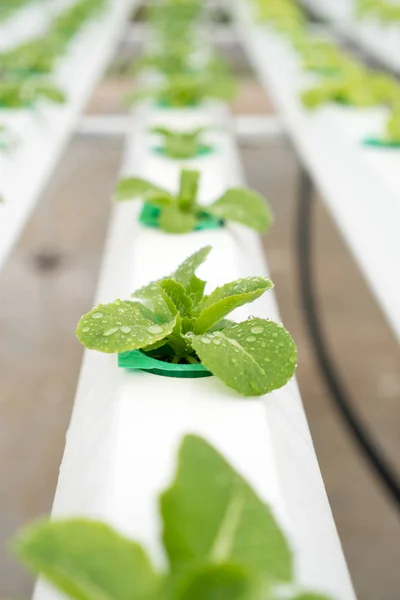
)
(361, 186)
(44, 131)
(382, 41)
(126, 427)
(29, 22)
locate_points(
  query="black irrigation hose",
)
(333, 380)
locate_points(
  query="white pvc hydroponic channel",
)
(361, 186)
(126, 426)
(44, 132)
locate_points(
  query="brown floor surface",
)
(40, 357)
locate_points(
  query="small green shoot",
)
(181, 145)
(188, 89)
(16, 94)
(180, 213)
(220, 539)
(176, 322)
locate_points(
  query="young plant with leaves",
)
(17, 93)
(220, 539)
(188, 89)
(181, 145)
(176, 322)
(181, 213)
(355, 86)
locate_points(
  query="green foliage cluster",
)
(8, 7)
(181, 145)
(24, 69)
(386, 12)
(186, 80)
(355, 86)
(220, 539)
(181, 213)
(189, 88)
(175, 321)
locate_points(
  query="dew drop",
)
(155, 329)
(97, 315)
(125, 329)
(263, 345)
(274, 335)
(85, 329)
(110, 331)
(216, 341)
(205, 340)
(251, 338)
(256, 330)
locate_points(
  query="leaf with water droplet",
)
(185, 272)
(223, 300)
(243, 206)
(259, 369)
(175, 293)
(137, 320)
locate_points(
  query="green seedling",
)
(354, 86)
(17, 94)
(181, 213)
(220, 539)
(174, 321)
(188, 89)
(181, 145)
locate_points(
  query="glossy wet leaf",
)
(254, 357)
(174, 220)
(87, 560)
(210, 514)
(177, 295)
(121, 326)
(223, 300)
(243, 206)
(185, 272)
(130, 188)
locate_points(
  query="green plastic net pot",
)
(202, 150)
(150, 215)
(381, 143)
(166, 104)
(136, 360)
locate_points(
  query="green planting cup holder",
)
(202, 150)
(372, 142)
(136, 360)
(165, 104)
(150, 215)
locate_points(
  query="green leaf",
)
(195, 289)
(188, 187)
(87, 560)
(177, 295)
(211, 515)
(121, 326)
(254, 357)
(220, 582)
(185, 272)
(130, 188)
(174, 220)
(222, 324)
(243, 206)
(154, 298)
(226, 298)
